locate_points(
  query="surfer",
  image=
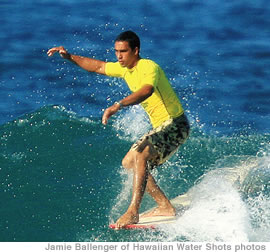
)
(149, 87)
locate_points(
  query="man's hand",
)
(61, 50)
(109, 112)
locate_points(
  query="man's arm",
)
(88, 64)
(133, 99)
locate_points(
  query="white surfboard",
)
(181, 203)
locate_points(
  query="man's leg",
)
(141, 152)
(164, 208)
(138, 162)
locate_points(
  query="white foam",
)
(258, 201)
(259, 209)
(221, 209)
(123, 198)
(217, 213)
(132, 123)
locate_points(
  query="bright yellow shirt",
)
(163, 104)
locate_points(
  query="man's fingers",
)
(106, 115)
(51, 52)
(61, 50)
(109, 112)
(105, 118)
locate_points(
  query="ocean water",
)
(60, 169)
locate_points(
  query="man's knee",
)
(128, 160)
(125, 163)
(132, 157)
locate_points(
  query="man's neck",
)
(134, 63)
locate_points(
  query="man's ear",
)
(137, 51)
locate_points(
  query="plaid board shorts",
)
(165, 139)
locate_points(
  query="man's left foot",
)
(127, 219)
(159, 211)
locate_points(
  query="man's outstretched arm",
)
(88, 64)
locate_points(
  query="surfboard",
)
(236, 175)
(148, 222)
(180, 203)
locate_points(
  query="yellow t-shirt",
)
(163, 104)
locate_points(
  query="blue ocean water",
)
(60, 169)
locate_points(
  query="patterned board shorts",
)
(165, 139)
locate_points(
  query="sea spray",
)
(216, 213)
(131, 124)
(222, 207)
(257, 198)
(121, 202)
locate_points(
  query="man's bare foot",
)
(160, 211)
(126, 219)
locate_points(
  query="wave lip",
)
(229, 204)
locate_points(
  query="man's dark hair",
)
(131, 37)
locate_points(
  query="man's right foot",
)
(126, 219)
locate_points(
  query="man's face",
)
(125, 55)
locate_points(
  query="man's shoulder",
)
(148, 65)
(113, 64)
(114, 69)
(148, 62)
